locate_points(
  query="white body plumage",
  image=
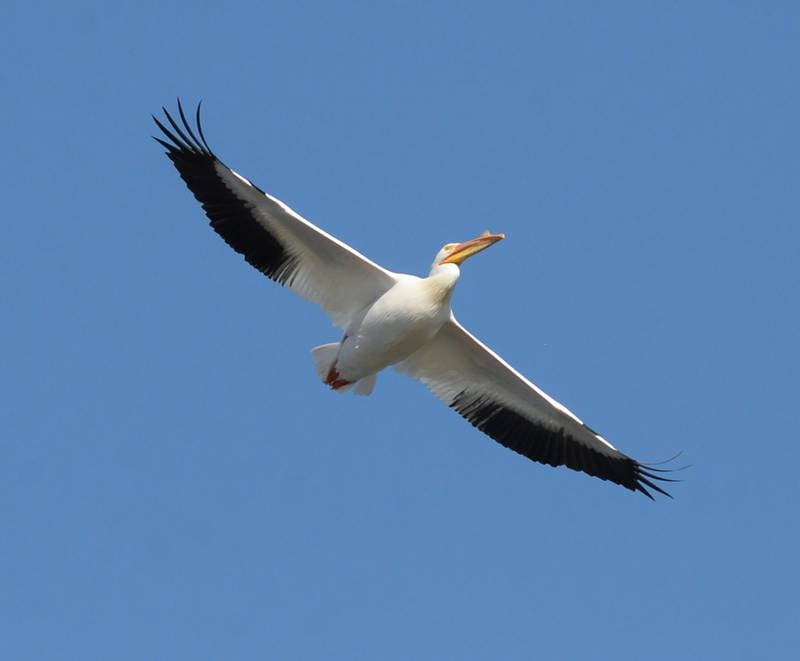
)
(397, 324)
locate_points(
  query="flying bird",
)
(393, 318)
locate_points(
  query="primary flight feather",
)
(393, 318)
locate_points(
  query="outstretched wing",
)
(470, 378)
(279, 242)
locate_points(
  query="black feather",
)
(553, 446)
(230, 215)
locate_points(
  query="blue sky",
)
(175, 483)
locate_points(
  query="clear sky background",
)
(174, 481)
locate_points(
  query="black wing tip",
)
(183, 138)
(230, 215)
(643, 484)
(166, 145)
(646, 477)
(555, 446)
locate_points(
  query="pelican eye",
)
(450, 246)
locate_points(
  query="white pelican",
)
(394, 319)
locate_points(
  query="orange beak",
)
(473, 247)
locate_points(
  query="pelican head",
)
(456, 253)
